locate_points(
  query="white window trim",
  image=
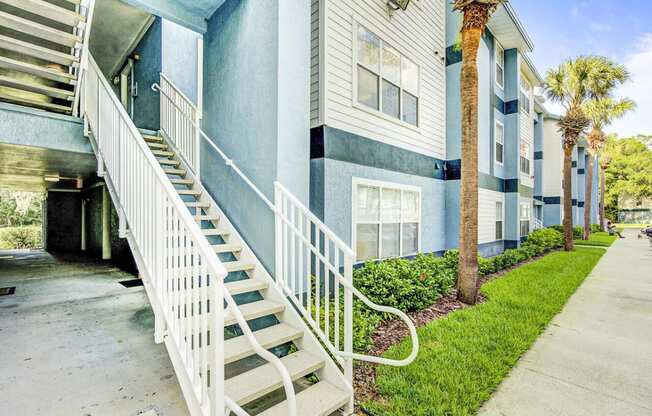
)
(528, 156)
(529, 93)
(496, 141)
(498, 47)
(370, 110)
(354, 214)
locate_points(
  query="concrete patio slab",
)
(596, 356)
(73, 341)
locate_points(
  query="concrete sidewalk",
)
(596, 356)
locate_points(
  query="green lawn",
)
(600, 239)
(464, 357)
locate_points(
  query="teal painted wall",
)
(147, 113)
(179, 57)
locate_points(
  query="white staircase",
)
(241, 341)
(41, 43)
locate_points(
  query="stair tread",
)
(194, 192)
(36, 51)
(182, 181)
(173, 171)
(256, 383)
(239, 347)
(238, 266)
(320, 399)
(208, 217)
(169, 162)
(162, 153)
(245, 286)
(255, 310)
(161, 146)
(48, 10)
(34, 103)
(197, 204)
(215, 231)
(40, 31)
(38, 70)
(35, 87)
(150, 138)
(227, 248)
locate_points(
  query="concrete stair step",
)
(192, 192)
(215, 232)
(255, 310)
(153, 139)
(47, 10)
(321, 399)
(197, 204)
(44, 105)
(245, 286)
(227, 248)
(39, 71)
(162, 153)
(188, 182)
(174, 171)
(169, 162)
(160, 146)
(30, 49)
(238, 266)
(209, 217)
(262, 380)
(20, 84)
(38, 30)
(239, 347)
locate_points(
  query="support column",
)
(106, 224)
(83, 225)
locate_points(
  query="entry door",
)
(128, 87)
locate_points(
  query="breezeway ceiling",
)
(205, 8)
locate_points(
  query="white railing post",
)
(197, 139)
(348, 323)
(218, 403)
(280, 281)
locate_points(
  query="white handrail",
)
(298, 270)
(90, 9)
(179, 261)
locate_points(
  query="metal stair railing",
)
(183, 276)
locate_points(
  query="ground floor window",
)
(526, 216)
(386, 219)
(499, 220)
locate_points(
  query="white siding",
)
(526, 131)
(314, 63)
(487, 214)
(417, 34)
(552, 159)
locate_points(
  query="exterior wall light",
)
(394, 5)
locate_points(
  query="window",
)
(386, 220)
(499, 134)
(525, 158)
(525, 218)
(387, 81)
(499, 220)
(500, 66)
(526, 94)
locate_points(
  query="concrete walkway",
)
(595, 359)
(75, 342)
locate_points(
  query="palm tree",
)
(572, 84)
(476, 15)
(601, 112)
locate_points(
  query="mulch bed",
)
(393, 332)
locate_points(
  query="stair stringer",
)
(309, 342)
(180, 370)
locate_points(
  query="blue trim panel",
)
(453, 55)
(580, 204)
(552, 200)
(574, 163)
(574, 202)
(510, 244)
(511, 186)
(580, 171)
(511, 107)
(538, 155)
(538, 198)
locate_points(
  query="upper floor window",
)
(500, 66)
(387, 81)
(525, 158)
(387, 219)
(500, 142)
(526, 94)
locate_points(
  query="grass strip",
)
(464, 357)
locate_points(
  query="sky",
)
(617, 29)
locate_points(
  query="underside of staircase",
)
(251, 382)
(40, 52)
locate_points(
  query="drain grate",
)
(132, 283)
(6, 291)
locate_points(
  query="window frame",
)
(355, 85)
(501, 220)
(526, 157)
(528, 218)
(502, 142)
(527, 93)
(356, 182)
(499, 51)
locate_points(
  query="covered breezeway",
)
(75, 341)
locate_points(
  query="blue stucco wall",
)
(31, 127)
(147, 113)
(244, 45)
(179, 57)
(552, 214)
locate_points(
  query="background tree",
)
(602, 112)
(476, 15)
(20, 208)
(627, 172)
(572, 85)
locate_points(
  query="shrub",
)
(595, 228)
(20, 237)
(578, 232)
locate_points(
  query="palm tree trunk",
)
(568, 198)
(588, 198)
(467, 283)
(602, 191)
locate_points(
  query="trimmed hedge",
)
(20, 237)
